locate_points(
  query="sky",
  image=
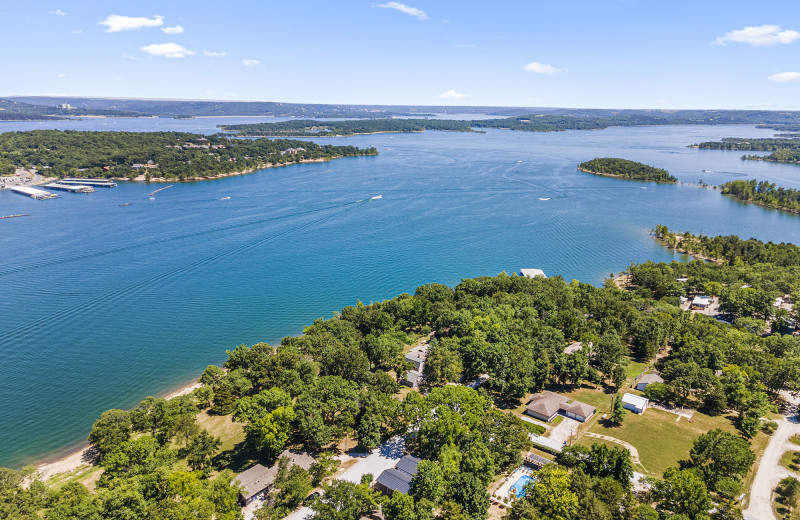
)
(675, 54)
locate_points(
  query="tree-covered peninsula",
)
(310, 127)
(764, 193)
(784, 150)
(625, 169)
(169, 155)
(338, 385)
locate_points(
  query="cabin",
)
(417, 357)
(532, 273)
(546, 405)
(399, 477)
(635, 403)
(647, 379)
(258, 479)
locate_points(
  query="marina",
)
(35, 193)
(98, 183)
(74, 188)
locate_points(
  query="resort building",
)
(258, 479)
(546, 405)
(647, 379)
(399, 477)
(532, 273)
(635, 403)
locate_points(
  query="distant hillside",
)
(11, 110)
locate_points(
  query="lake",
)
(104, 305)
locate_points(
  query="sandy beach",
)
(86, 454)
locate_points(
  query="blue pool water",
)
(102, 305)
(518, 489)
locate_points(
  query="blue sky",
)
(583, 53)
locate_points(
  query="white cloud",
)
(168, 50)
(62, 75)
(250, 63)
(785, 77)
(453, 94)
(57, 12)
(542, 68)
(403, 8)
(117, 23)
(172, 30)
(212, 54)
(759, 36)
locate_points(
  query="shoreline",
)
(141, 178)
(84, 454)
(613, 176)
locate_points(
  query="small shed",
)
(635, 403)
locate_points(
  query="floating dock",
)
(74, 188)
(35, 193)
(97, 183)
(15, 216)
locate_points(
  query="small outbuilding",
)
(635, 403)
(532, 273)
(647, 379)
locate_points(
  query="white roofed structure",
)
(532, 273)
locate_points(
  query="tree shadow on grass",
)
(237, 459)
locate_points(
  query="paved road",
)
(770, 472)
(384, 457)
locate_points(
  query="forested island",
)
(784, 150)
(307, 127)
(146, 155)
(764, 193)
(337, 385)
(625, 169)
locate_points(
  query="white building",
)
(635, 403)
(532, 273)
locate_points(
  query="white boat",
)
(376, 197)
(152, 198)
(225, 198)
(544, 198)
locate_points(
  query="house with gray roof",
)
(546, 405)
(259, 479)
(647, 379)
(399, 477)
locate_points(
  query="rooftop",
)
(652, 377)
(635, 400)
(532, 273)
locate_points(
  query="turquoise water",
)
(103, 305)
(518, 489)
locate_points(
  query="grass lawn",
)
(222, 426)
(593, 396)
(85, 474)
(791, 460)
(795, 439)
(659, 439)
(633, 369)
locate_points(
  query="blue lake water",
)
(103, 305)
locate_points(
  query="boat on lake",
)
(225, 198)
(544, 198)
(125, 204)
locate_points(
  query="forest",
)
(623, 168)
(763, 193)
(172, 155)
(305, 127)
(750, 144)
(339, 381)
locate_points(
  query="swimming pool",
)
(518, 489)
